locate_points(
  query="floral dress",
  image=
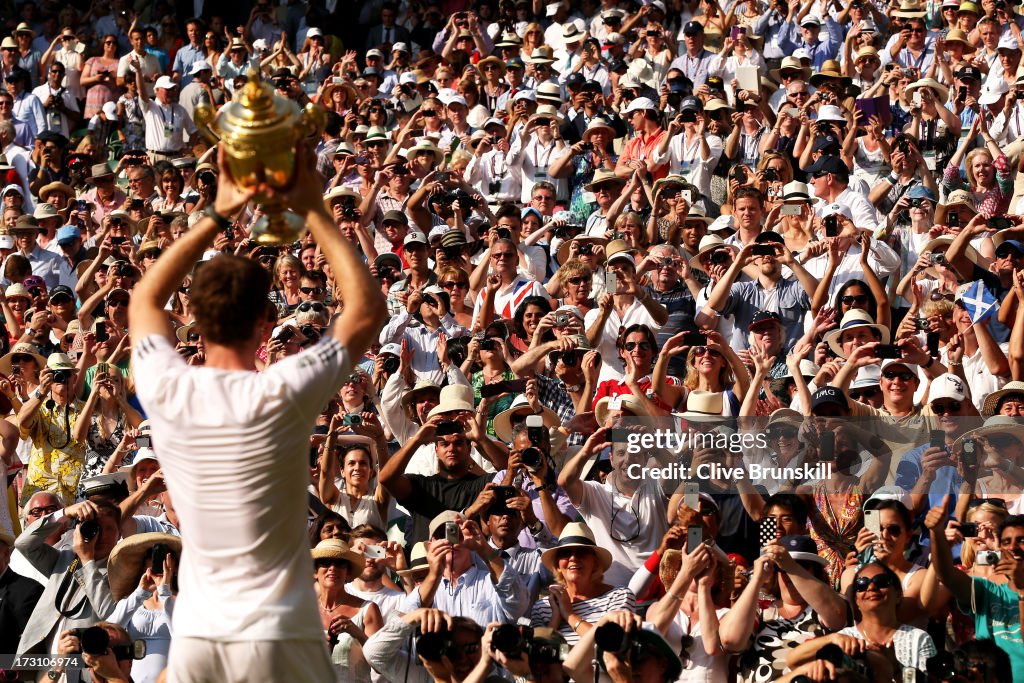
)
(844, 521)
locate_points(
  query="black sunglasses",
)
(950, 408)
(851, 299)
(314, 306)
(880, 581)
(644, 346)
(861, 394)
(312, 290)
(902, 376)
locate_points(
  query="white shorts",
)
(194, 660)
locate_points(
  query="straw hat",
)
(996, 424)
(955, 35)
(125, 564)
(988, 409)
(598, 125)
(626, 401)
(941, 91)
(603, 175)
(910, 9)
(351, 97)
(454, 398)
(829, 69)
(421, 387)
(503, 420)
(788, 64)
(576, 535)
(337, 549)
(852, 319)
(563, 248)
(21, 348)
(417, 561)
(541, 55)
(709, 243)
(546, 111)
(425, 145)
(703, 406)
(942, 244)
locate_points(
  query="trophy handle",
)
(203, 117)
(312, 120)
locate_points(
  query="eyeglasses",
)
(861, 394)
(499, 255)
(946, 408)
(800, 93)
(314, 306)
(454, 284)
(543, 198)
(110, 42)
(880, 582)
(312, 290)
(852, 299)
(901, 376)
(43, 510)
(644, 346)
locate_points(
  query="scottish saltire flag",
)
(979, 302)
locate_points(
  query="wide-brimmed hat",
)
(956, 198)
(991, 403)
(337, 549)
(141, 456)
(598, 125)
(563, 248)
(23, 27)
(19, 349)
(955, 35)
(503, 420)
(941, 91)
(803, 549)
(910, 9)
(852, 319)
(942, 244)
(546, 111)
(425, 145)
(491, 60)
(124, 566)
(788, 64)
(603, 175)
(996, 424)
(99, 171)
(541, 55)
(830, 69)
(703, 406)
(417, 561)
(627, 401)
(57, 186)
(351, 97)
(420, 388)
(576, 535)
(454, 398)
(709, 243)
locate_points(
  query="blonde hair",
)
(969, 162)
(969, 550)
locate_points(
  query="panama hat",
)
(599, 125)
(417, 561)
(603, 175)
(996, 424)
(576, 535)
(503, 420)
(703, 406)
(788, 64)
(421, 387)
(124, 566)
(454, 398)
(852, 319)
(563, 248)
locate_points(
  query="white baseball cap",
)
(166, 83)
(836, 207)
(200, 65)
(640, 104)
(948, 386)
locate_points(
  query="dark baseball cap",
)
(762, 317)
(969, 73)
(829, 395)
(693, 28)
(828, 164)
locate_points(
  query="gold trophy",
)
(259, 130)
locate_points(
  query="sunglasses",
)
(861, 394)
(117, 302)
(998, 502)
(705, 351)
(880, 582)
(312, 290)
(901, 376)
(891, 529)
(454, 284)
(851, 299)
(782, 433)
(498, 255)
(21, 358)
(579, 279)
(324, 564)
(946, 408)
(314, 306)
(644, 346)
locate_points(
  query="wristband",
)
(892, 179)
(222, 222)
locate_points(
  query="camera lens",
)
(508, 639)
(612, 638)
(95, 640)
(433, 646)
(531, 457)
(390, 364)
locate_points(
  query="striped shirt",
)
(589, 611)
(510, 297)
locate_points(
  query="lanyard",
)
(495, 173)
(163, 119)
(537, 149)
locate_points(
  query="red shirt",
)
(642, 148)
(611, 387)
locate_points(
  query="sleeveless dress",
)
(347, 656)
(843, 522)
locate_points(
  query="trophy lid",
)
(256, 107)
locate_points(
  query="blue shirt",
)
(947, 479)
(183, 61)
(822, 50)
(474, 595)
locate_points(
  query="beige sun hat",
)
(125, 564)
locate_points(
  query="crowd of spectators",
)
(800, 223)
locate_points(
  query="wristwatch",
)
(36, 394)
